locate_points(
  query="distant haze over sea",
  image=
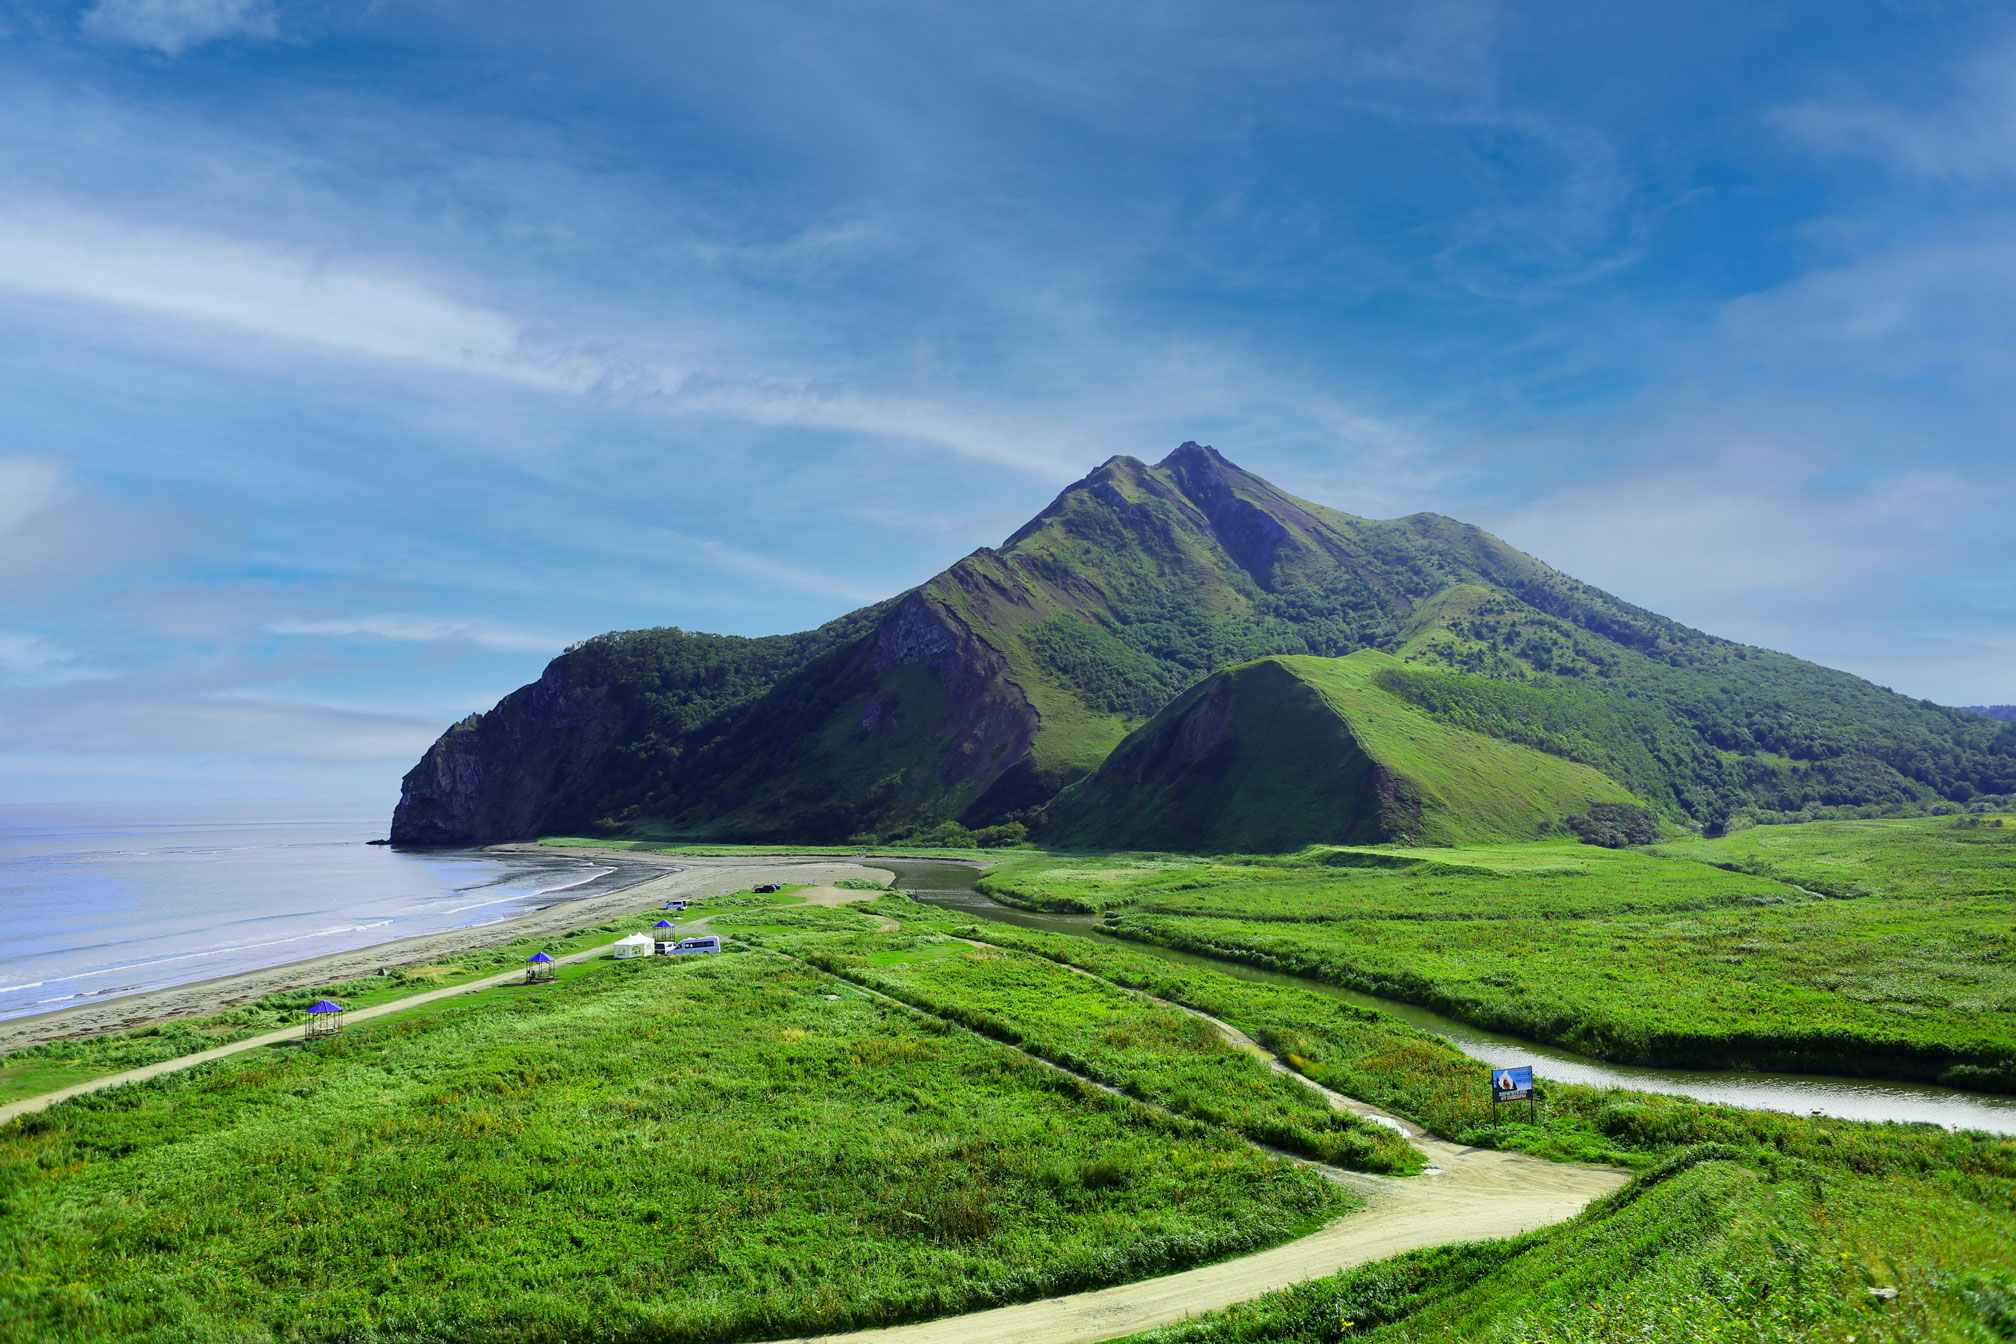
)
(105, 900)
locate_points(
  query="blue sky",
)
(357, 356)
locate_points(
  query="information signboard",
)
(1512, 1084)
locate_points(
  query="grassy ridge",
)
(1159, 1054)
(1557, 880)
(1819, 986)
(647, 1150)
(1623, 955)
(1295, 750)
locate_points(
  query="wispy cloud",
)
(217, 726)
(771, 571)
(399, 629)
(173, 26)
(30, 659)
(1969, 133)
(336, 303)
(59, 533)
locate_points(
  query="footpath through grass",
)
(1742, 1225)
(35, 1069)
(1881, 947)
(1718, 1245)
(1159, 1054)
(705, 1149)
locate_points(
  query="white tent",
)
(636, 945)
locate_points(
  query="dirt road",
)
(1479, 1194)
(1467, 1194)
(691, 878)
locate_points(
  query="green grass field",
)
(1159, 1054)
(1721, 1244)
(746, 1146)
(43, 1068)
(650, 1149)
(1881, 947)
(36, 1069)
(1743, 1225)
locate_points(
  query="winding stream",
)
(952, 887)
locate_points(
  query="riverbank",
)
(686, 878)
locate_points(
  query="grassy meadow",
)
(1159, 1054)
(1719, 1243)
(746, 1146)
(1742, 1225)
(707, 1149)
(36, 1069)
(1899, 958)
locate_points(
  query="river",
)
(952, 887)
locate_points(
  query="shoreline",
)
(689, 877)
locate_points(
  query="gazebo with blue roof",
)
(324, 1019)
(538, 968)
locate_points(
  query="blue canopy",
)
(326, 1007)
(538, 956)
(662, 924)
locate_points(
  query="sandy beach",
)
(687, 878)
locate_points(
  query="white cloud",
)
(397, 629)
(338, 304)
(75, 720)
(1891, 313)
(173, 26)
(1745, 520)
(29, 659)
(56, 532)
(1969, 135)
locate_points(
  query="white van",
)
(705, 943)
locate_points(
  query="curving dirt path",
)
(1479, 1195)
(1466, 1194)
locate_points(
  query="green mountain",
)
(984, 693)
(1290, 751)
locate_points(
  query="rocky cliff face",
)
(987, 723)
(497, 776)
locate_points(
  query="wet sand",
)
(687, 878)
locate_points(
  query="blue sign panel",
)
(1512, 1084)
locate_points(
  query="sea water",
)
(104, 900)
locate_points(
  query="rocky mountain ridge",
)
(983, 694)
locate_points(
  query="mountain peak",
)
(988, 690)
(1192, 453)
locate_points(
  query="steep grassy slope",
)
(1295, 750)
(982, 693)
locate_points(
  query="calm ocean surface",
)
(111, 899)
